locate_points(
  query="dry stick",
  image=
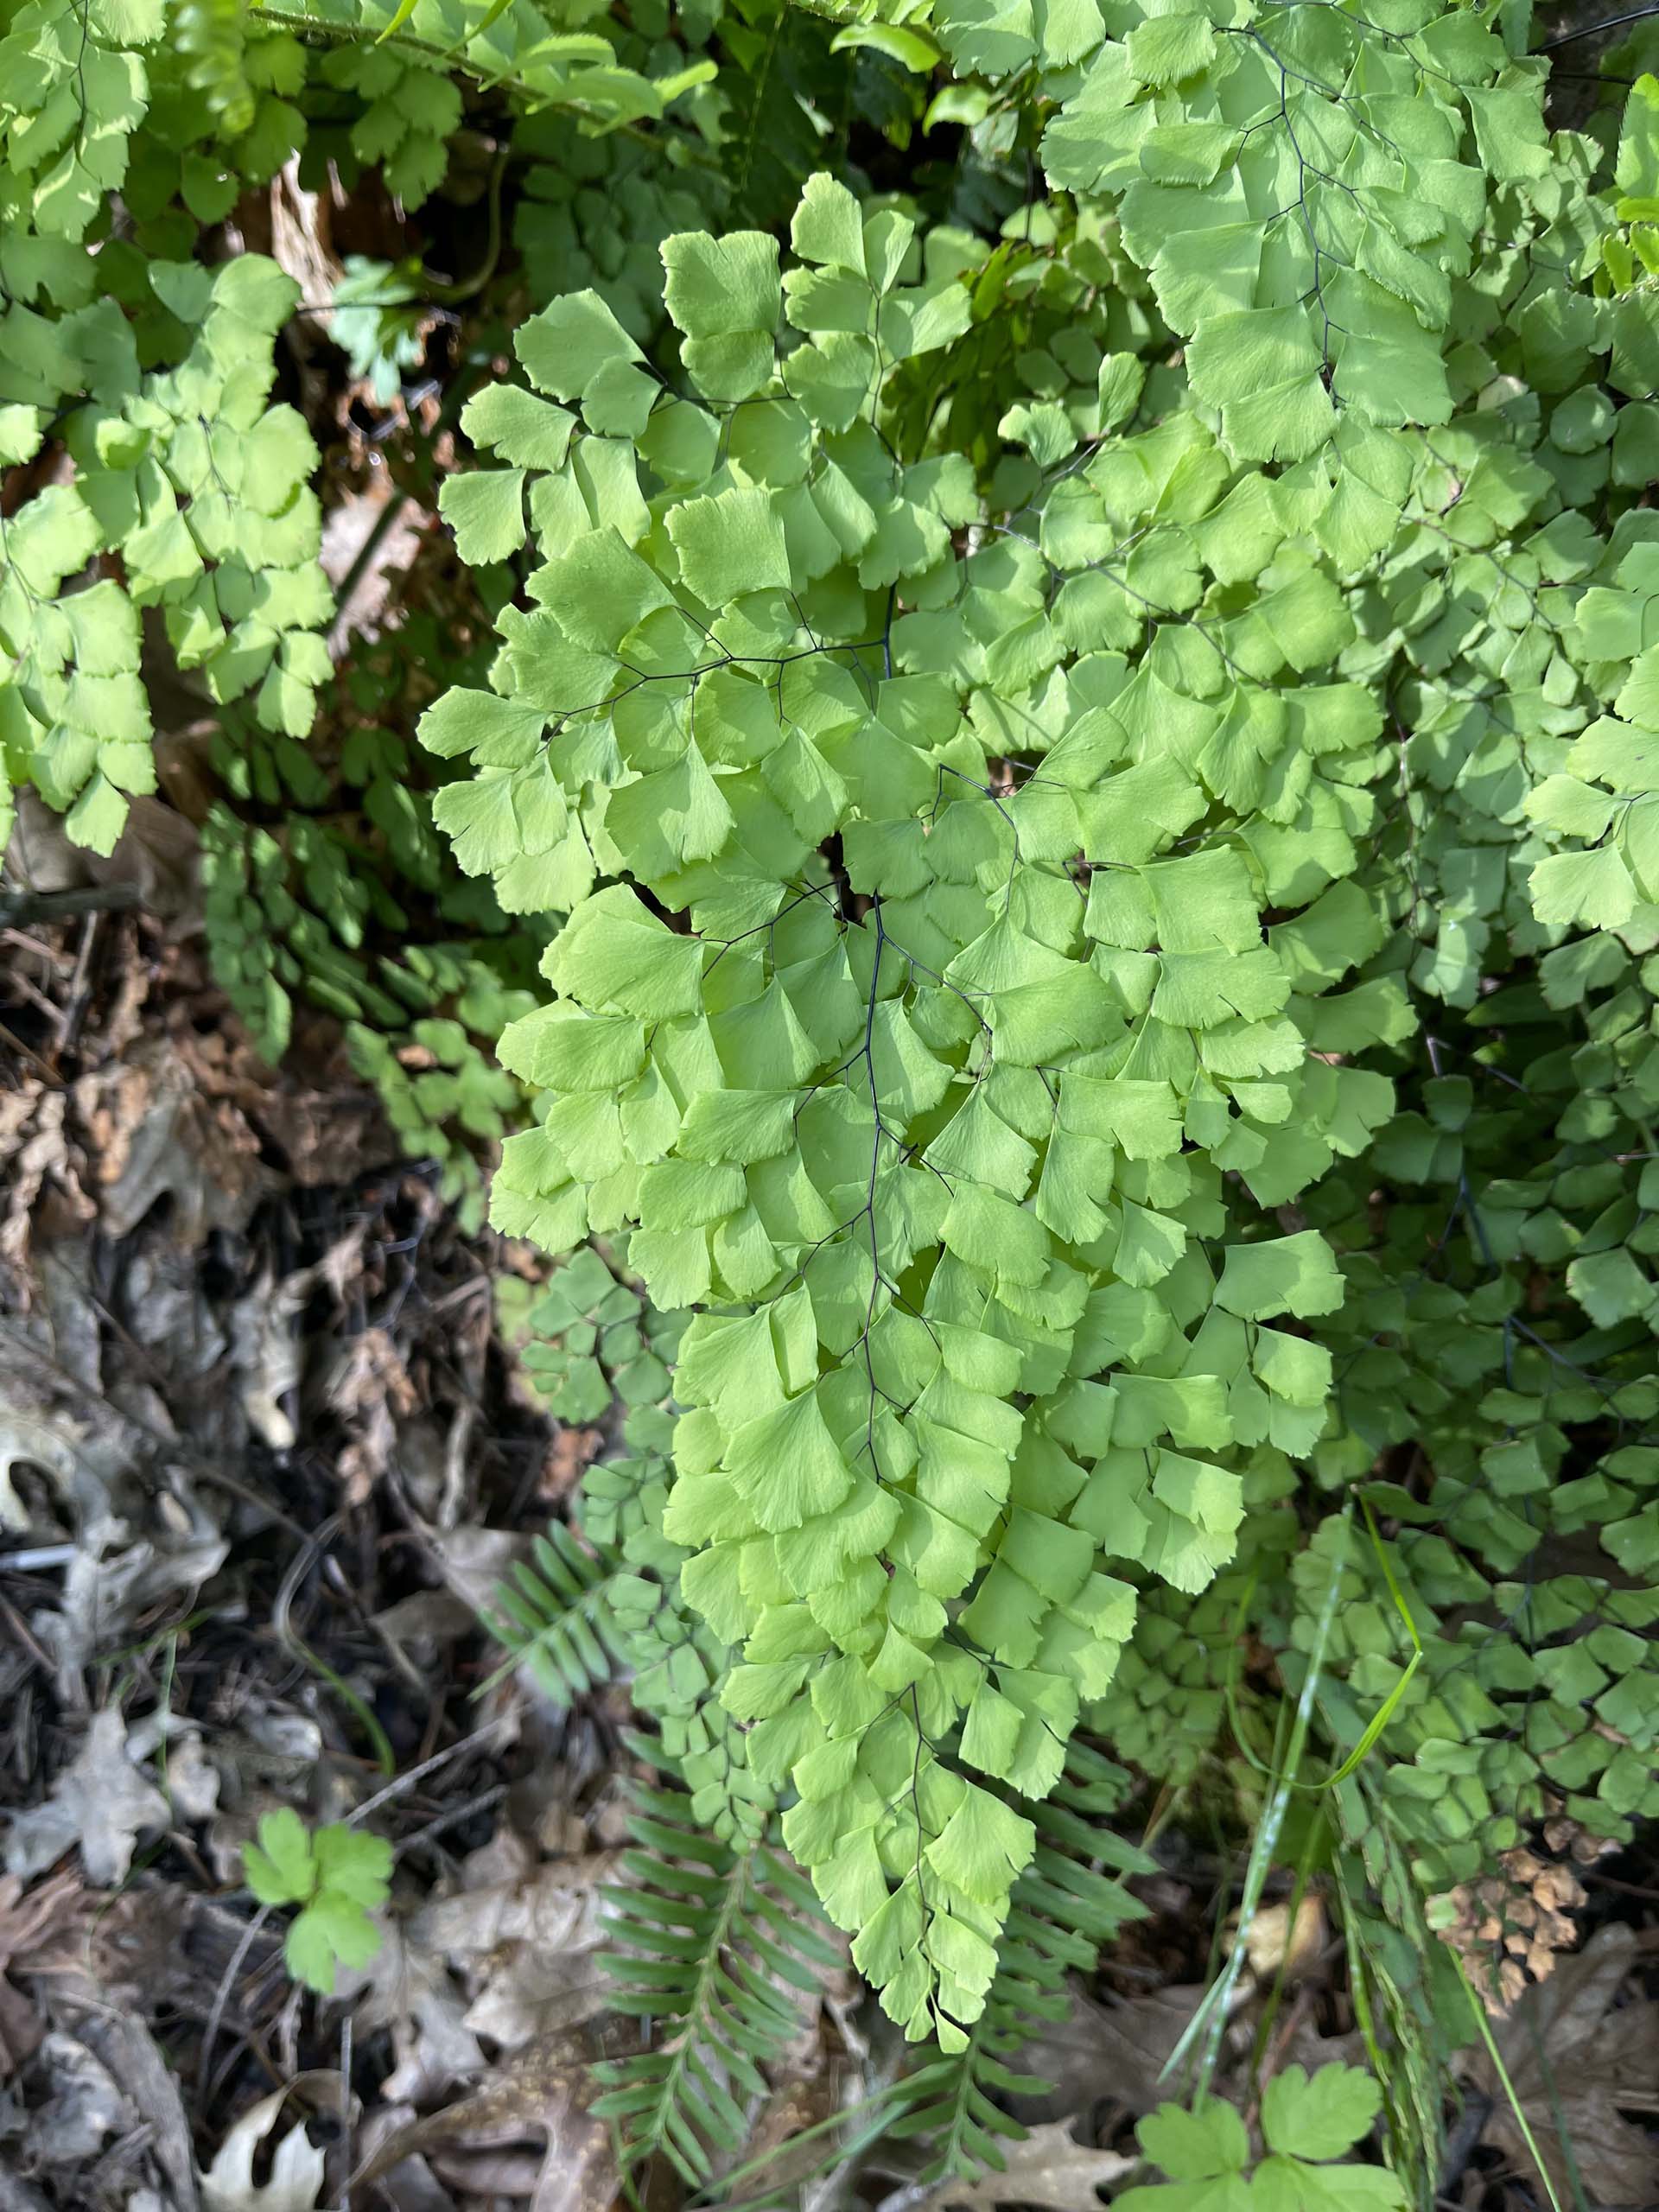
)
(427, 1766)
(221, 1995)
(1463, 2142)
(48, 1073)
(74, 1009)
(1589, 30)
(453, 1817)
(380, 1742)
(25, 905)
(345, 2111)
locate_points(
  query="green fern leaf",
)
(719, 1950)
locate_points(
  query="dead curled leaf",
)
(1048, 2169)
(166, 1137)
(152, 1121)
(295, 2183)
(34, 1145)
(28, 1440)
(1578, 2060)
(118, 2037)
(521, 1937)
(20, 2029)
(35, 1923)
(116, 1575)
(370, 1390)
(407, 1989)
(86, 2107)
(100, 1802)
(541, 2092)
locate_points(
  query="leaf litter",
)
(1582, 2053)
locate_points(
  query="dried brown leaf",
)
(122, 2043)
(34, 1145)
(543, 2091)
(34, 1923)
(100, 1802)
(407, 1989)
(798, 2103)
(569, 1454)
(526, 1945)
(1111, 2051)
(1511, 1924)
(369, 1389)
(21, 2029)
(166, 1138)
(1048, 2169)
(1578, 2060)
(85, 2108)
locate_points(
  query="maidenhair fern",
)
(975, 780)
(900, 998)
(588, 1339)
(599, 1599)
(1067, 1905)
(150, 376)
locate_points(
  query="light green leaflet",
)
(189, 492)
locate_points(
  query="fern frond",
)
(716, 1948)
(568, 1616)
(1070, 1902)
(211, 38)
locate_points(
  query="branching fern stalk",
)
(903, 1461)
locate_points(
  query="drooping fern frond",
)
(210, 38)
(716, 1948)
(1069, 1903)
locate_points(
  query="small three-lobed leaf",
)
(338, 1875)
(1307, 2122)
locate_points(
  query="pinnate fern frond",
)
(567, 1615)
(717, 1948)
